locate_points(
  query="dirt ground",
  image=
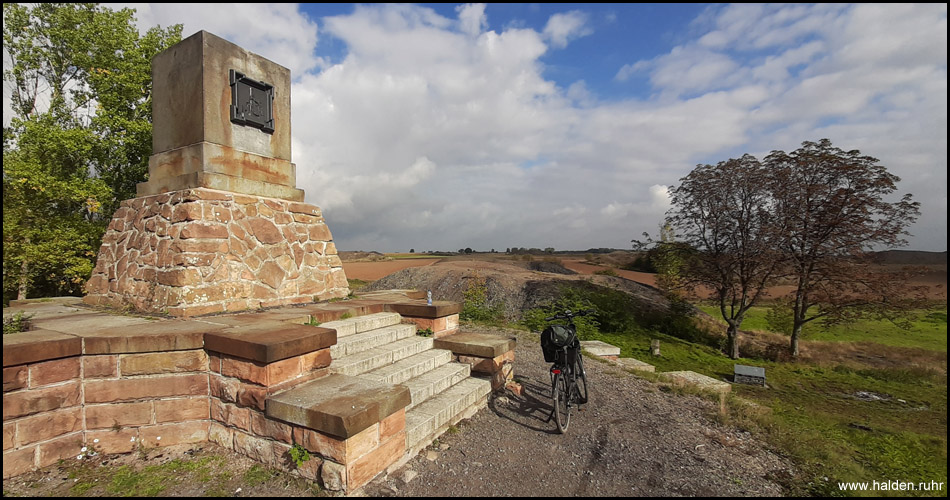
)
(372, 271)
(198, 470)
(934, 280)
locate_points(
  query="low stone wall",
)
(116, 383)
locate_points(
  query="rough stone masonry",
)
(220, 225)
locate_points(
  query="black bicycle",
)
(560, 346)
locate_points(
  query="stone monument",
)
(220, 225)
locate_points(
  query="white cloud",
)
(564, 27)
(472, 18)
(277, 31)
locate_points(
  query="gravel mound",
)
(513, 287)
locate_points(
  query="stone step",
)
(426, 420)
(358, 342)
(371, 359)
(360, 324)
(410, 367)
(435, 381)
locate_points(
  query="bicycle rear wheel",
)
(581, 379)
(562, 410)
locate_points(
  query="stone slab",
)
(339, 405)
(150, 336)
(697, 380)
(395, 295)
(267, 343)
(420, 309)
(475, 344)
(636, 364)
(292, 315)
(89, 322)
(44, 308)
(38, 345)
(598, 348)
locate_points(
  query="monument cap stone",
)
(221, 120)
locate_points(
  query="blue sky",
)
(444, 126)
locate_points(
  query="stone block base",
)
(490, 356)
(201, 251)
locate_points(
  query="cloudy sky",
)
(439, 127)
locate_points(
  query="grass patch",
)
(154, 479)
(258, 474)
(357, 284)
(928, 329)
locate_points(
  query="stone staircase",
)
(378, 348)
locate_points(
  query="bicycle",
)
(561, 346)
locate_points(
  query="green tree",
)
(831, 212)
(723, 212)
(79, 138)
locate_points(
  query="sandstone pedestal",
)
(201, 251)
(220, 225)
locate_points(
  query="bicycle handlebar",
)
(569, 315)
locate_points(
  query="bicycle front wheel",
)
(562, 410)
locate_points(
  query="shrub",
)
(19, 322)
(475, 304)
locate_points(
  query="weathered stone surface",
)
(152, 336)
(113, 440)
(15, 377)
(181, 409)
(419, 308)
(598, 348)
(177, 433)
(48, 425)
(173, 256)
(118, 415)
(38, 345)
(68, 446)
(100, 366)
(105, 391)
(269, 343)
(338, 405)
(636, 364)
(333, 475)
(19, 461)
(361, 470)
(699, 381)
(475, 344)
(163, 362)
(28, 402)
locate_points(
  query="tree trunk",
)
(796, 334)
(732, 335)
(24, 275)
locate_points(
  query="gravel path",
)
(632, 439)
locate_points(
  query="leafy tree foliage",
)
(831, 211)
(812, 217)
(724, 213)
(79, 77)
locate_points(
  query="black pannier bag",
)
(554, 338)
